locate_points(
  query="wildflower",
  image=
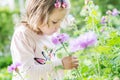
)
(74, 45)
(115, 12)
(13, 67)
(83, 41)
(60, 38)
(104, 20)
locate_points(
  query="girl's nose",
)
(57, 27)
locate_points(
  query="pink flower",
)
(104, 20)
(60, 38)
(115, 12)
(83, 41)
(74, 45)
(64, 5)
(13, 67)
(57, 4)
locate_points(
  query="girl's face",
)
(54, 21)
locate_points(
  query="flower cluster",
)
(81, 42)
(59, 4)
(105, 19)
(114, 12)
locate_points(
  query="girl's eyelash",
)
(54, 22)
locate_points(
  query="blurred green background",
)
(10, 15)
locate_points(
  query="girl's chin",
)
(51, 32)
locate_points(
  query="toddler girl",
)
(31, 44)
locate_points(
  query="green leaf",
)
(103, 49)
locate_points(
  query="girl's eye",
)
(54, 22)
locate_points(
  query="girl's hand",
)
(70, 62)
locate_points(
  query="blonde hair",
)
(37, 12)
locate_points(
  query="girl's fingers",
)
(75, 65)
(75, 61)
(74, 57)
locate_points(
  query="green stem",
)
(79, 74)
(58, 49)
(95, 69)
(70, 55)
(98, 66)
(95, 28)
(65, 49)
(109, 21)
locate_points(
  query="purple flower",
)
(104, 20)
(60, 38)
(74, 45)
(83, 41)
(115, 12)
(13, 67)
